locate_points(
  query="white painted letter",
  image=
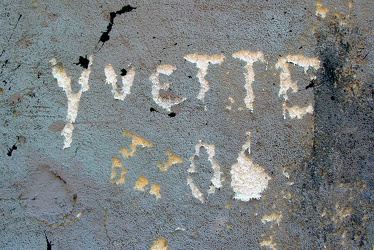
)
(286, 82)
(216, 178)
(127, 81)
(165, 103)
(249, 58)
(202, 63)
(64, 81)
(248, 179)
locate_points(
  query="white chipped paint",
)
(232, 101)
(79, 215)
(269, 242)
(273, 217)
(202, 62)
(286, 83)
(64, 81)
(216, 178)
(248, 179)
(165, 103)
(249, 57)
(320, 9)
(67, 132)
(285, 173)
(296, 111)
(195, 190)
(285, 75)
(127, 81)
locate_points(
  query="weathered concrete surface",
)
(247, 163)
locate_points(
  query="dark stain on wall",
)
(105, 36)
(336, 183)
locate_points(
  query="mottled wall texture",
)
(186, 124)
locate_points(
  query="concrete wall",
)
(186, 124)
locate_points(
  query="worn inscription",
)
(248, 179)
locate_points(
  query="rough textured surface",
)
(167, 77)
